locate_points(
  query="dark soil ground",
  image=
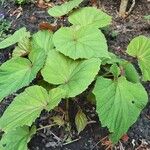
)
(118, 36)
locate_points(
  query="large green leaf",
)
(15, 74)
(16, 37)
(84, 42)
(16, 139)
(73, 76)
(28, 105)
(96, 17)
(63, 9)
(25, 108)
(139, 47)
(119, 103)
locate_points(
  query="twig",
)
(121, 146)
(71, 141)
(48, 126)
(95, 145)
(99, 142)
(44, 127)
(131, 8)
(91, 121)
(56, 137)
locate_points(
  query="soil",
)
(119, 35)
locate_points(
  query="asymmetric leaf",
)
(27, 105)
(16, 37)
(16, 139)
(139, 47)
(84, 42)
(96, 17)
(63, 9)
(73, 76)
(119, 103)
(15, 74)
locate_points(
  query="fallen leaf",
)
(47, 26)
(125, 138)
(43, 4)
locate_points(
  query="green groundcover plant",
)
(69, 60)
(4, 27)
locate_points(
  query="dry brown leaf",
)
(17, 12)
(47, 26)
(43, 4)
(125, 138)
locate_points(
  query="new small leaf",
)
(130, 72)
(80, 121)
(115, 70)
